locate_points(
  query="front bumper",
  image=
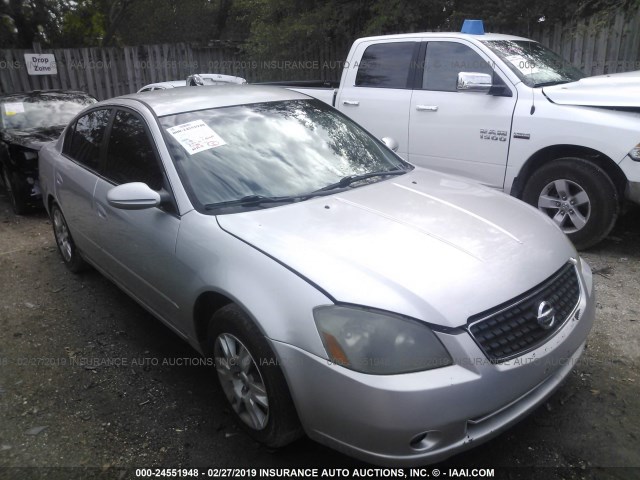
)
(425, 417)
(632, 192)
(631, 170)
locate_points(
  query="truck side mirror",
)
(474, 82)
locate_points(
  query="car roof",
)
(178, 100)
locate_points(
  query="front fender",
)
(278, 300)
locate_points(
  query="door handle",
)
(59, 179)
(427, 108)
(354, 103)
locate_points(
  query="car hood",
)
(426, 245)
(614, 90)
(33, 138)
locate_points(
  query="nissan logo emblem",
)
(546, 315)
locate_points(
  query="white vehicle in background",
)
(195, 80)
(163, 85)
(506, 112)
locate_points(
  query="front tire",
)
(578, 196)
(251, 379)
(66, 246)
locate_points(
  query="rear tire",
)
(578, 196)
(251, 379)
(66, 246)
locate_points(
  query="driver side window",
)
(445, 60)
(130, 154)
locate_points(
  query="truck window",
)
(533, 63)
(445, 60)
(386, 65)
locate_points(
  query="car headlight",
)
(378, 343)
(634, 153)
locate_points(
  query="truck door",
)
(376, 90)
(464, 133)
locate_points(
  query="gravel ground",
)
(92, 386)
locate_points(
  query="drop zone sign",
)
(41, 63)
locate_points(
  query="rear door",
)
(376, 91)
(465, 133)
(75, 179)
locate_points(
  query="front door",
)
(464, 133)
(138, 244)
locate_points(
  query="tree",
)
(285, 28)
(117, 12)
(200, 21)
(24, 23)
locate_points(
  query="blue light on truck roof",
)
(474, 27)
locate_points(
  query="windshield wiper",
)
(253, 200)
(344, 182)
(250, 200)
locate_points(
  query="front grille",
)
(512, 329)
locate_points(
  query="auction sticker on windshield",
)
(13, 108)
(196, 136)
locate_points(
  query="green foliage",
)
(169, 21)
(23, 23)
(282, 29)
(84, 26)
(271, 29)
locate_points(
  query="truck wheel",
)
(251, 378)
(578, 196)
(14, 192)
(66, 246)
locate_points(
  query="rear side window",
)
(84, 143)
(386, 65)
(445, 60)
(130, 155)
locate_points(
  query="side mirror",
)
(391, 143)
(474, 82)
(133, 196)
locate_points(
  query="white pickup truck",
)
(504, 111)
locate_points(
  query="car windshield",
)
(42, 111)
(275, 150)
(533, 63)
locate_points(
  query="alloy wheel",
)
(241, 381)
(566, 203)
(62, 235)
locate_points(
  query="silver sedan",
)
(391, 312)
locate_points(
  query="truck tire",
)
(251, 379)
(578, 196)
